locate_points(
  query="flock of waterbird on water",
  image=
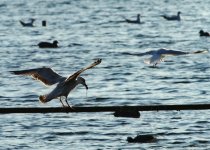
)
(66, 84)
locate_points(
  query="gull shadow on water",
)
(154, 67)
(101, 99)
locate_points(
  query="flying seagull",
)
(28, 24)
(159, 55)
(173, 17)
(64, 84)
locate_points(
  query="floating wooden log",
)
(104, 108)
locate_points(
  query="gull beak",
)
(85, 86)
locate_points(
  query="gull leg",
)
(68, 103)
(155, 65)
(62, 102)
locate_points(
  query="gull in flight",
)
(173, 17)
(159, 55)
(28, 24)
(64, 84)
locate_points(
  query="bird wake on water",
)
(159, 55)
(64, 84)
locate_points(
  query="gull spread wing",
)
(174, 52)
(45, 75)
(140, 54)
(171, 52)
(76, 74)
(200, 51)
(147, 53)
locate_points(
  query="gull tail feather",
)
(153, 60)
(147, 61)
(43, 98)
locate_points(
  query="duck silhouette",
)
(134, 21)
(173, 17)
(28, 24)
(202, 33)
(48, 45)
(141, 139)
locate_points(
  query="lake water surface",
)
(89, 29)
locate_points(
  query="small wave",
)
(3, 5)
(178, 142)
(182, 82)
(101, 98)
(146, 36)
(74, 44)
(71, 133)
(203, 141)
(28, 96)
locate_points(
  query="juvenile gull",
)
(159, 55)
(50, 77)
(173, 17)
(28, 24)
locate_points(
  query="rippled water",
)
(94, 29)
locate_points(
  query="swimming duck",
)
(141, 139)
(134, 21)
(202, 33)
(48, 45)
(28, 24)
(173, 17)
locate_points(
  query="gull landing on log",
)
(50, 77)
(159, 55)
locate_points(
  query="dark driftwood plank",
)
(104, 108)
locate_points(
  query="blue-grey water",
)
(89, 29)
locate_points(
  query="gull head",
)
(81, 80)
